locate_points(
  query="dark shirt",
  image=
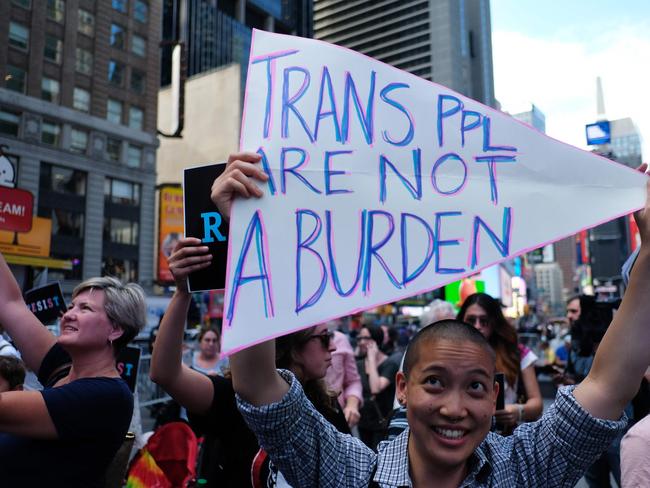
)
(91, 417)
(384, 399)
(229, 445)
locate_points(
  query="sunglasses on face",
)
(482, 320)
(325, 338)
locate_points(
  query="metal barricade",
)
(149, 392)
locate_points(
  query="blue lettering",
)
(406, 276)
(254, 231)
(372, 250)
(502, 245)
(365, 117)
(330, 252)
(326, 80)
(438, 243)
(288, 102)
(384, 96)
(211, 223)
(294, 169)
(329, 173)
(442, 114)
(304, 244)
(414, 190)
(270, 75)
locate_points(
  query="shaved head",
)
(450, 330)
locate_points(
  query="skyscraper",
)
(445, 41)
(78, 86)
(626, 142)
(217, 33)
(610, 243)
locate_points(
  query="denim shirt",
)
(553, 451)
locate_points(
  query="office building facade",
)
(445, 41)
(78, 91)
(218, 33)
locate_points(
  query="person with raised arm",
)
(449, 389)
(67, 434)
(210, 400)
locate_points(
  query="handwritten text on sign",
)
(381, 185)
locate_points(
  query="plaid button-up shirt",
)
(310, 453)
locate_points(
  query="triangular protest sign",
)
(384, 185)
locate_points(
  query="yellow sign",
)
(170, 228)
(36, 242)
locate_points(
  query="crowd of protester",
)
(360, 401)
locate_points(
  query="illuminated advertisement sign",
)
(170, 228)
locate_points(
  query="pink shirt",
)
(342, 376)
(635, 455)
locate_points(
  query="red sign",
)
(16, 209)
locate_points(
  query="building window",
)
(123, 269)
(9, 122)
(81, 99)
(86, 23)
(138, 45)
(122, 192)
(50, 90)
(134, 156)
(53, 49)
(50, 133)
(137, 81)
(79, 141)
(63, 180)
(136, 118)
(22, 3)
(18, 36)
(62, 198)
(15, 79)
(114, 111)
(141, 11)
(115, 73)
(119, 5)
(55, 10)
(66, 223)
(113, 149)
(84, 61)
(117, 36)
(121, 231)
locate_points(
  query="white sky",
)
(550, 52)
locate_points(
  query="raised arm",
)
(30, 335)
(254, 375)
(377, 382)
(624, 353)
(191, 389)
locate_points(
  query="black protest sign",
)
(46, 302)
(127, 365)
(203, 221)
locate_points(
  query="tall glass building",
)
(446, 41)
(217, 33)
